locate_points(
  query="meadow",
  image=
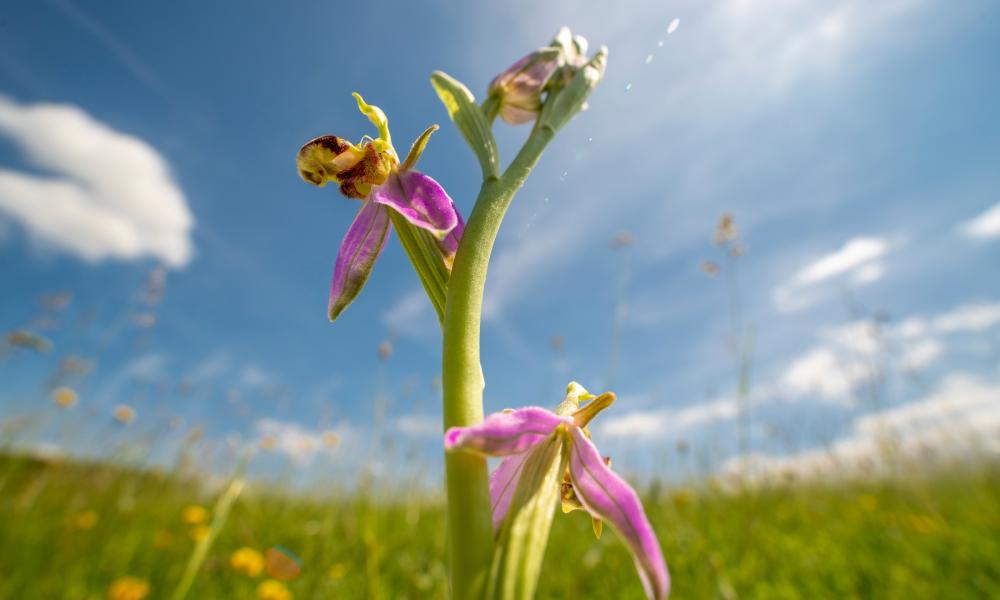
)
(79, 530)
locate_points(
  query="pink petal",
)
(503, 483)
(420, 199)
(358, 251)
(610, 498)
(505, 433)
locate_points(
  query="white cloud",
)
(300, 444)
(984, 226)
(960, 419)
(824, 373)
(859, 258)
(111, 197)
(922, 354)
(978, 316)
(656, 423)
(418, 426)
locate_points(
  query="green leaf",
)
(520, 548)
(469, 119)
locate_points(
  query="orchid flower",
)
(518, 89)
(371, 172)
(588, 483)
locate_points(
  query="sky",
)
(147, 169)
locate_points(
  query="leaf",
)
(469, 119)
(520, 548)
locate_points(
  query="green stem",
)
(470, 528)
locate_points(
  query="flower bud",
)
(519, 89)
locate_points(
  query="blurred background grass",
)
(74, 530)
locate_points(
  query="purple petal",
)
(505, 433)
(449, 245)
(503, 482)
(359, 250)
(420, 199)
(610, 498)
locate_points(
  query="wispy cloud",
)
(301, 444)
(660, 422)
(418, 426)
(857, 259)
(983, 226)
(119, 49)
(112, 195)
(960, 419)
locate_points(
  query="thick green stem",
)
(469, 522)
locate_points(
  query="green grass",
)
(920, 537)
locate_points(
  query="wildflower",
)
(22, 338)
(268, 442)
(128, 588)
(518, 90)
(199, 532)
(589, 483)
(163, 538)
(65, 397)
(248, 561)
(194, 514)
(84, 520)
(282, 564)
(273, 590)
(337, 571)
(725, 231)
(124, 414)
(330, 439)
(371, 172)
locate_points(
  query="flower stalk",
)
(469, 521)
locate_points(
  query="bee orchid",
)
(371, 171)
(589, 482)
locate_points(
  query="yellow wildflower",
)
(124, 414)
(163, 539)
(128, 588)
(194, 514)
(248, 561)
(268, 442)
(273, 590)
(64, 397)
(84, 520)
(337, 571)
(199, 532)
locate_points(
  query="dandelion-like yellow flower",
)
(64, 397)
(330, 439)
(199, 532)
(124, 414)
(268, 442)
(248, 561)
(337, 571)
(84, 520)
(273, 590)
(867, 502)
(194, 514)
(128, 588)
(163, 539)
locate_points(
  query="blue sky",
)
(855, 144)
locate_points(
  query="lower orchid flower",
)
(371, 172)
(589, 482)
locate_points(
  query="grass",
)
(70, 529)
